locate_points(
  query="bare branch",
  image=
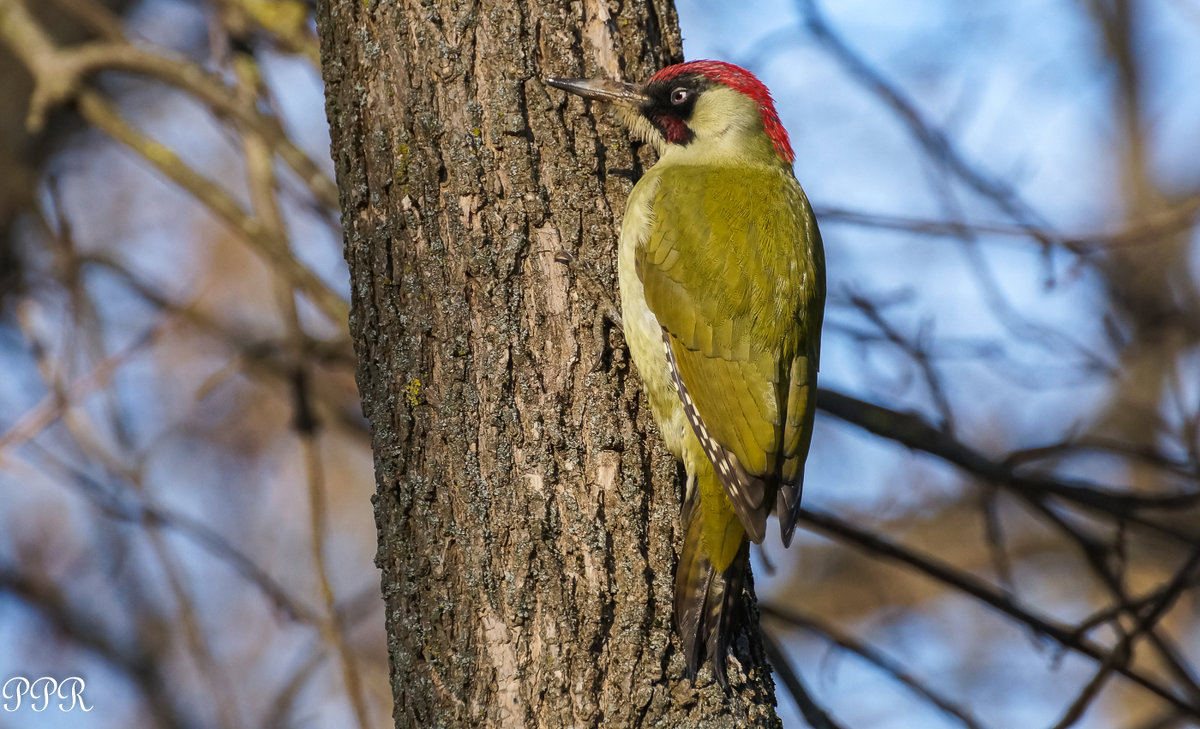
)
(974, 587)
(912, 431)
(816, 717)
(872, 655)
(133, 658)
(1182, 216)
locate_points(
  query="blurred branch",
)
(993, 534)
(267, 358)
(933, 140)
(1121, 653)
(917, 351)
(350, 612)
(1090, 443)
(939, 148)
(1182, 216)
(1166, 720)
(134, 659)
(78, 424)
(137, 509)
(54, 405)
(816, 717)
(1090, 691)
(333, 352)
(333, 628)
(873, 656)
(261, 181)
(1158, 599)
(914, 432)
(104, 458)
(57, 76)
(95, 15)
(286, 21)
(279, 713)
(60, 75)
(1097, 554)
(103, 116)
(972, 586)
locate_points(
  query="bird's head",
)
(697, 108)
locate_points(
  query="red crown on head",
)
(741, 80)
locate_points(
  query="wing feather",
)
(738, 289)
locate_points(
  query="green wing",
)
(738, 288)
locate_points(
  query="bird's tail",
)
(710, 575)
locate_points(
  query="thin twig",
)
(100, 114)
(56, 75)
(135, 509)
(816, 717)
(872, 655)
(972, 586)
(1096, 554)
(916, 352)
(914, 432)
(79, 425)
(260, 177)
(935, 143)
(1182, 216)
(133, 658)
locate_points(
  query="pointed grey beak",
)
(601, 89)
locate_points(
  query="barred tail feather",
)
(707, 601)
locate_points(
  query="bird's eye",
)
(680, 95)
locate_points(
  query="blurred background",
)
(1008, 193)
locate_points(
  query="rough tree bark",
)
(527, 510)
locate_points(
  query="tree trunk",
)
(527, 511)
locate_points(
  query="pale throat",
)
(728, 126)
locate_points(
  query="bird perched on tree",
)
(723, 291)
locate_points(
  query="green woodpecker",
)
(722, 291)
